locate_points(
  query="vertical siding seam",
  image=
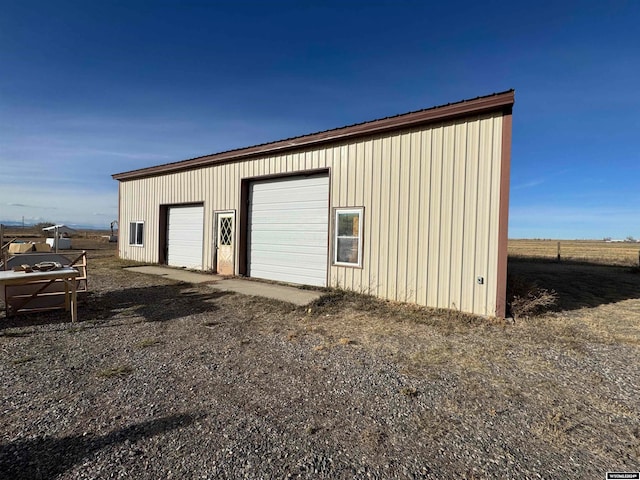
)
(396, 214)
(333, 275)
(458, 223)
(475, 213)
(367, 218)
(439, 213)
(225, 188)
(355, 161)
(347, 150)
(409, 214)
(453, 191)
(418, 227)
(375, 227)
(388, 221)
(363, 232)
(398, 230)
(379, 285)
(428, 215)
(351, 162)
(412, 218)
(464, 210)
(490, 205)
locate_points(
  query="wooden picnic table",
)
(15, 302)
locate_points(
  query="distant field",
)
(588, 251)
(591, 251)
(31, 233)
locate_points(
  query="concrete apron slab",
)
(175, 274)
(283, 293)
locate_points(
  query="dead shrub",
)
(526, 299)
(408, 391)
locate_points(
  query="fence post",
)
(558, 252)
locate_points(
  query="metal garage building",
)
(411, 208)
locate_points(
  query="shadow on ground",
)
(46, 457)
(579, 285)
(157, 303)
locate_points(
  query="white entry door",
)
(185, 236)
(225, 242)
(288, 229)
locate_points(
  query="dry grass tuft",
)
(75, 329)
(408, 392)
(17, 333)
(311, 429)
(148, 342)
(291, 336)
(557, 427)
(119, 371)
(21, 360)
(374, 437)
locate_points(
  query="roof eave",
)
(497, 102)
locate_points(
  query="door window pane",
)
(226, 231)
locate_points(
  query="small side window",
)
(136, 230)
(348, 237)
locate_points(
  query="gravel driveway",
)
(167, 380)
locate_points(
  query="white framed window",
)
(136, 232)
(347, 231)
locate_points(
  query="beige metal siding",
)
(430, 198)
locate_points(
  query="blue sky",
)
(93, 88)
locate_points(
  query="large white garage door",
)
(288, 230)
(184, 236)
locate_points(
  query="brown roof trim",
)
(495, 102)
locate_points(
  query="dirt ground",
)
(167, 380)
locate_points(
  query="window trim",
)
(348, 210)
(136, 223)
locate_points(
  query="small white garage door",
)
(184, 236)
(288, 230)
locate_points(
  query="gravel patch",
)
(169, 380)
